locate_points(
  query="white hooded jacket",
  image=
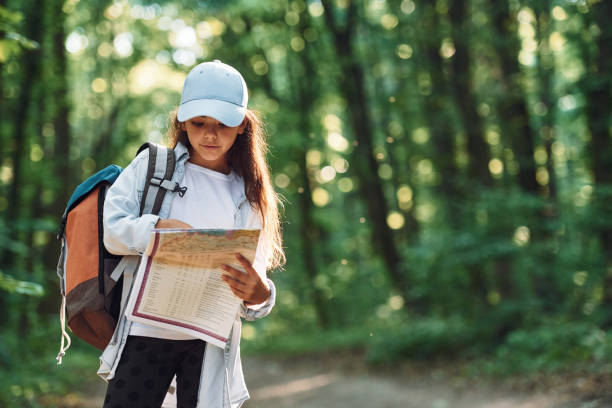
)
(126, 233)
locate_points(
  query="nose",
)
(210, 132)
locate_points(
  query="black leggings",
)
(146, 369)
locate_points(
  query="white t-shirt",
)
(210, 202)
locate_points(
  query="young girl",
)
(220, 158)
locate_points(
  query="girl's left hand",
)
(249, 286)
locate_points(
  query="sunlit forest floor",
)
(343, 380)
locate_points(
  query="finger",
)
(236, 291)
(235, 273)
(233, 281)
(246, 263)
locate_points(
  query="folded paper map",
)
(178, 285)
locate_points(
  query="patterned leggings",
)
(146, 369)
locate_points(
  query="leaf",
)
(8, 25)
(8, 17)
(12, 285)
(21, 40)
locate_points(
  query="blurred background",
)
(445, 167)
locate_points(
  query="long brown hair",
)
(247, 157)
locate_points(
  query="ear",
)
(182, 126)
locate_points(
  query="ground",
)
(343, 381)
(339, 381)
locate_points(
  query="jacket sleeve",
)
(260, 263)
(258, 311)
(125, 232)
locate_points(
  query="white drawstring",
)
(65, 335)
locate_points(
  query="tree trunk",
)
(62, 99)
(545, 75)
(598, 102)
(31, 61)
(513, 121)
(411, 227)
(365, 164)
(60, 178)
(438, 113)
(3, 112)
(400, 107)
(31, 72)
(465, 100)
(463, 94)
(513, 115)
(546, 282)
(310, 232)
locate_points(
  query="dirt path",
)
(345, 382)
(320, 382)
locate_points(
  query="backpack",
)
(91, 295)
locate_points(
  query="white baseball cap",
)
(214, 89)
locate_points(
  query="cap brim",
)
(225, 112)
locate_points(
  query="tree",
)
(366, 166)
(598, 90)
(513, 116)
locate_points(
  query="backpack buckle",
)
(180, 190)
(169, 185)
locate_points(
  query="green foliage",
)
(41, 382)
(551, 347)
(16, 248)
(291, 344)
(30, 376)
(12, 42)
(12, 285)
(424, 339)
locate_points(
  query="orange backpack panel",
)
(85, 309)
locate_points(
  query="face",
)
(210, 141)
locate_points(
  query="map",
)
(178, 284)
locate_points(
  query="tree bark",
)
(310, 232)
(3, 112)
(513, 115)
(463, 94)
(61, 177)
(546, 286)
(364, 162)
(31, 61)
(598, 102)
(31, 72)
(62, 99)
(411, 226)
(438, 113)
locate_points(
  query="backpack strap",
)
(61, 267)
(159, 178)
(163, 182)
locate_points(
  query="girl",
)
(220, 158)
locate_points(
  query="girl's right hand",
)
(172, 223)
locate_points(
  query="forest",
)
(445, 168)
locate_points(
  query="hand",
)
(249, 286)
(172, 223)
